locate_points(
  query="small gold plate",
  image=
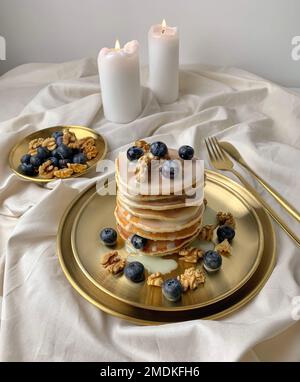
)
(250, 265)
(21, 148)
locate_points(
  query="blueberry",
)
(108, 236)
(54, 161)
(27, 169)
(159, 149)
(36, 161)
(186, 152)
(212, 261)
(57, 134)
(225, 232)
(75, 151)
(79, 158)
(64, 151)
(134, 271)
(172, 290)
(55, 154)
(63, 163)
(138, 242)
(170, 169)
(43, 153)
(25, 158)
(59, 140)
(134, 153)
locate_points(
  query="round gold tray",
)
(21, 148)
(98, 212)
(217, 308)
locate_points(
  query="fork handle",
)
(267, 207)
(280, 199)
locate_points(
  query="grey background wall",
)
(254, 35)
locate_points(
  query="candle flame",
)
(117, 45)
(163, 26)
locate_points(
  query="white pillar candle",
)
(119, 73)
(164, 62)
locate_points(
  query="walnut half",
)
(63, 173)
(190, 254)
(191, 278)
(69, 139)
(207, 232)
(155, 279)
(47, 170)
(77, 168)
(113, 263)
(88, 147)
(49, 143)
(34, 144)
(225, 218)
(224, 248)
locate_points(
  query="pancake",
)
(163, 215)
(155, 225)
(161, 205)
(179, 234)
(193, 176)
(127, 192)
(158, 247)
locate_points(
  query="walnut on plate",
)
(190, 254)
(47, 170)
(69, 139)
(224, 248)
(155, 279)
(86, 141)
(77, 167)
(207, 232)
(191, 278)
(90, 152)
(49, 143)
(87, 145)
(34, 144)
(113, 263)
(225, 218)
(63, 173)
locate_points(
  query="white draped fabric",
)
(42, 317)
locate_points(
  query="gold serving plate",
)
(242, 275)
(21, 148)
(98, 212)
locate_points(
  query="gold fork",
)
(221, 161)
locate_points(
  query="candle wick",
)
(163, 31)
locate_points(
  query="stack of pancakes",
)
(169, 218)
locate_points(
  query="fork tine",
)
(223, 153)
(213, 148)
(210, 154)
(218, 148)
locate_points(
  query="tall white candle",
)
(119, 73)
(163, 44)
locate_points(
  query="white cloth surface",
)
(42, 317)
